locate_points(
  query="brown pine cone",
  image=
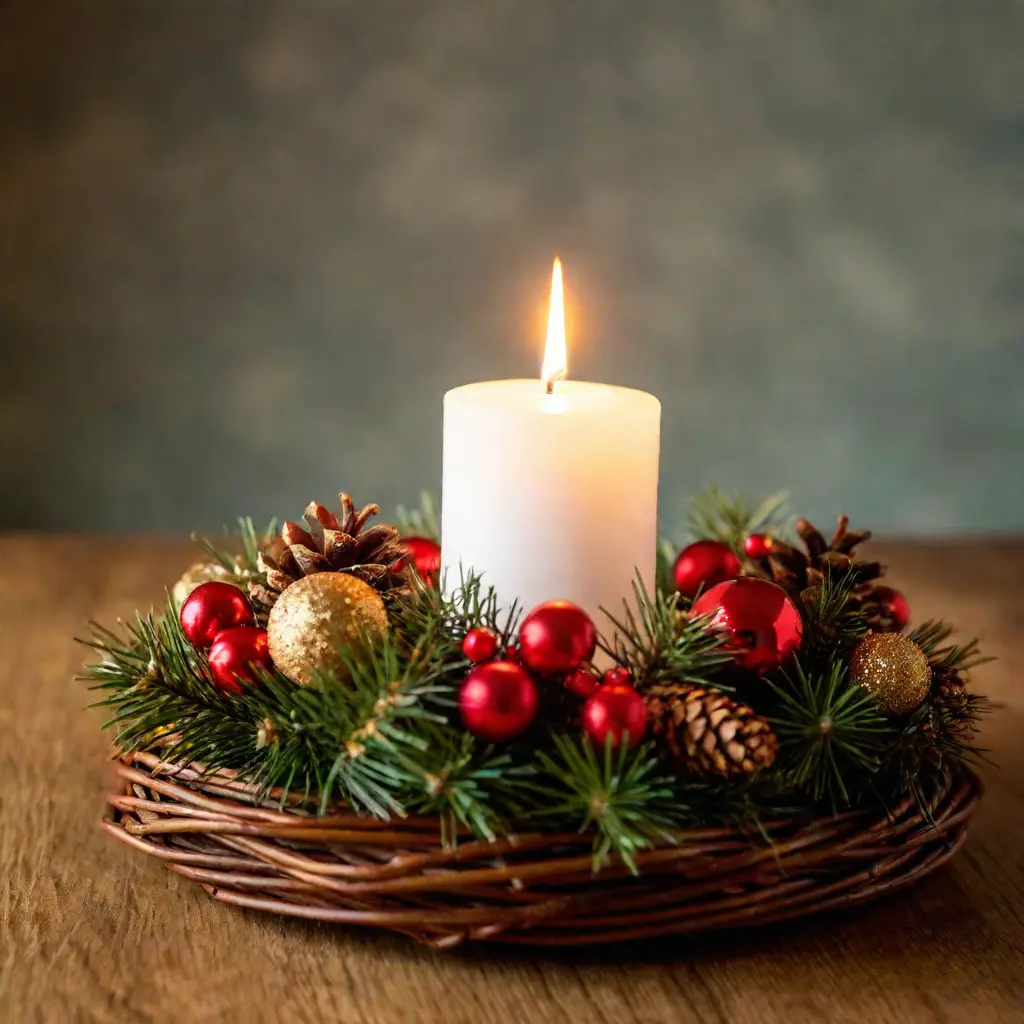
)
(950, 691)
(708, 733)
(800, 572)
(344, 543)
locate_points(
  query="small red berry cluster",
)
(500, 697)
(217, 617)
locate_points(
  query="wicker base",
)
(530, 889)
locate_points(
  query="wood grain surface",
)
(90, 931)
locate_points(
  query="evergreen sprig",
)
(715, 515)
(421, 521)
(932, 637)
(622, 796)
(832, 735)
(656, 641)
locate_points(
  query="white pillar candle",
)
(550, 490)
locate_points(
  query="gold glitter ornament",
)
(892, 668)
(315, 618)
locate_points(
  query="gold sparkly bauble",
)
(315, 618)
(201, 572)
(893, 669)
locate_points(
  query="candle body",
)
(551, 496)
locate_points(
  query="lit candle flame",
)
(556, 365)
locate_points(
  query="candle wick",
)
(549, 387)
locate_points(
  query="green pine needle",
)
(620, 795)
(655, 640)
(715, 515)
(421, 521)
(831, 734)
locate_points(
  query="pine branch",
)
(619, 794)
(244, 564)
(831, 734)
(832, 625)
(715, 515)
(931, 637)
(421, 521)
(656, 641)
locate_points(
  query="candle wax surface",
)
(551, 495)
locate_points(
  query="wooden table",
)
(90, 931)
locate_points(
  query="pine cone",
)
(950, 692)
(801, 571)
(707, 733)
(374, 554)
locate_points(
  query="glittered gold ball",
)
(316, 618)
(893, 669)
(200, 572)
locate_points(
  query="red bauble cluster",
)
(557, 637)
(557, 640)
(424, 556)
(763, 624)
(615, 711)
(702, 565)
(218, 616)
(498, 701)
(210, 608)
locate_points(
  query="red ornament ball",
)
(480, 645)
(618, 676)
(763, 624)
(210, 608)
(895, 606)
(613, 710)
(234, 654)
(557, 636)
(702, 565)
(582, 683)
(757, 546)
(498, 701)
(425, 555)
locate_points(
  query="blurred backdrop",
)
(246, 246)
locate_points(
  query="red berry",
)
(210, 608)
(233, 655)
(618, 676)
(702, 565)
(556, 637)
(425, 555)
(582, 683)
(480, 645)
(498, 701)
(612, 711)
(758, 546)
(894, 604)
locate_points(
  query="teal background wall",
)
(246, 246)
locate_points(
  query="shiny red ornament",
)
(234, 654)
(212, 607)
(480, 645)
(618, 676)
(763, 625)
(557, 636)
(498, 701)
(895, 606)
(425, 555)
(702, 565)
(613, 710)
(582, 683)
(757, 546)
